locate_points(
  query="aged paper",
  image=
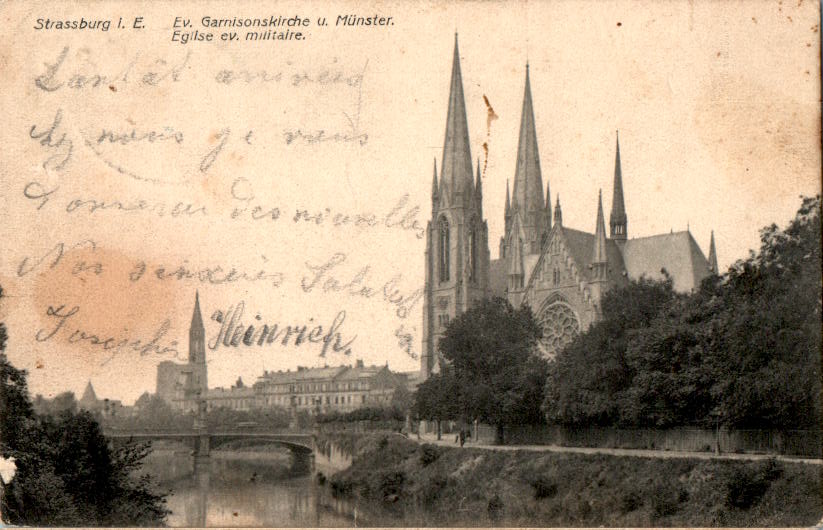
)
(274, 161)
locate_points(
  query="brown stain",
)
(619, 24)
(754, 20)
(490, 117)
(113, 88)
(38, 364)
(111, 305)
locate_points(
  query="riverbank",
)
(427, 485)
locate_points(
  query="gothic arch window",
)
(472, 255)
(443, 249)
(560, 325)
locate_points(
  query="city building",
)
(324, 389)
(560, 272)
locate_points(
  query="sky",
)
(717, 106)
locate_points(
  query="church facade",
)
(561, 273)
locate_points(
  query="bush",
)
(391, 485)
(544, 488)
(495, 508)
(428, 454)
(747, 485)
(630, 501)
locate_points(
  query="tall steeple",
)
(713, 256)
(456, 169)
(618, 220)
(528, 181)
(548, 214)
(197, 334)
(508, 201)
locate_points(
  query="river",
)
(248, 488)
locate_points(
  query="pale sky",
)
(717, 104)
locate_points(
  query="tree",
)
(66, 473)
(492, 373)
(588, 378)
(744, 349)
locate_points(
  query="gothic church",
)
(560, 272)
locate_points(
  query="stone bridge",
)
(301, 445)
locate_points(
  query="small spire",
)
(434, 179)
(618, 221)
(599, 255)
(508, 199)
(196, 317)
(558, 214)
(713, 256)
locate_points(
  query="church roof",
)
(676, 252)
(581, 247)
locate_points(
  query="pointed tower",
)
(434, 184)
(558, 213)
(197, 383)
(618, 220)
(527, 198)
(548, 214)
(457, 242)
(456, 169)
(507, 222)
(713, 256)
(600, 262)
(89, 400)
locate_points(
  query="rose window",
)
(560, 326)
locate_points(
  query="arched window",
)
(443, 249)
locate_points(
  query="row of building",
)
(316, 390)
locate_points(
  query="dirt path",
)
(448, 441)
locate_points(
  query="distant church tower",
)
(457, 242)
(197, 383)
(528, 219)
(618, 221)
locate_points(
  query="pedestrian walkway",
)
(448, 441)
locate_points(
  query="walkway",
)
(448, 441)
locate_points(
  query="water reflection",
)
(245, 489)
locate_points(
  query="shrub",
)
(630, 501)
(544, 487)
(391, 485)
(428, 454)
(495, 508)
(747, 485)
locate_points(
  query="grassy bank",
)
(427, 485)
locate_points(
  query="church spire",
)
(434, 180)
(618, 220)
(558, 213)
(599, 255)
(456, 169)
(528, 181)
(713, 256)
(548, 208)
(477, 184)
(197, 334)
(508, 200)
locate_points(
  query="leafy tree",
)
(588, 379)
(66, 473)
(493, 372)
(743, 350)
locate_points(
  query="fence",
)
(805, 443)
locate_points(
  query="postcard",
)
(331, 264)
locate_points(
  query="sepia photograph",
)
(411, 264)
